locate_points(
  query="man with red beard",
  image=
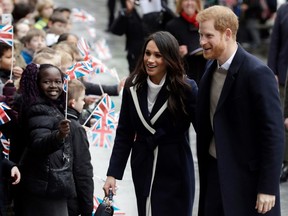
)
(240, 133)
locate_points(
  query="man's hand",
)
(15, 174)
(265, 203)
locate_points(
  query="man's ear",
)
(228, 33)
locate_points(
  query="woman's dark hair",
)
(3, 48)
(29, 83)
(175, 78)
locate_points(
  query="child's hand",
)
(8, 81)
(63, 128)
(17, 72)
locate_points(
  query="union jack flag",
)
(101, 68)
(102, 49)
(83, 48)
(79, 69)
(4, 118)
(97, 202)
(95, 62)
(5, 144)
(103, 131)
(80, 15)
(105, 111)
(6, 34)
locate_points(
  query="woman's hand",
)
(110, 183)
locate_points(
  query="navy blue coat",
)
(249, 135)
(278, 50)
(173, 184)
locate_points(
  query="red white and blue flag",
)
(6, 34)
(4, 118)
(80, 15)
(102, 50)
(102, 133)
(105, 111)
(83, 47)
(5, 144)
(78, 70)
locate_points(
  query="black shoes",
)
(284, 173)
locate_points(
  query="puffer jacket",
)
(43, 149)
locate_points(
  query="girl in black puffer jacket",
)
(42, 121)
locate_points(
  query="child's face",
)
(79, 103)
(58, 28)
(22, 30)
(47, 11)
(36, 43)
(71, 39)
(6, 60)
(7, 6)
(51, 83)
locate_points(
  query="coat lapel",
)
(142, 98)
(231, 76)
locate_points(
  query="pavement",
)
(125, 201)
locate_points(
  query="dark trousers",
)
(213, 202)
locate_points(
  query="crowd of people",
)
(187, 66)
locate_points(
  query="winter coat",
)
(174, 175)
(249, 135)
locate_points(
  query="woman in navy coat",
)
(161, 160)
(241, 177)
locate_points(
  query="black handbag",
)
(105, 208)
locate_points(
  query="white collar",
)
(227, 64)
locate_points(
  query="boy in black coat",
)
(82, 167)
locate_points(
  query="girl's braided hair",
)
(29, 83)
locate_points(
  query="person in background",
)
(23, 11)
(66, 12)
(129, 23)
(7, 6)
(7, 62)
(185, 29)
(20, 30)
(240, 130)
(45, 10)
(69, 37)
(111, 5)
(156, 134)
(33, 41)
(57, 25)
(82, 167)
(277, 61)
